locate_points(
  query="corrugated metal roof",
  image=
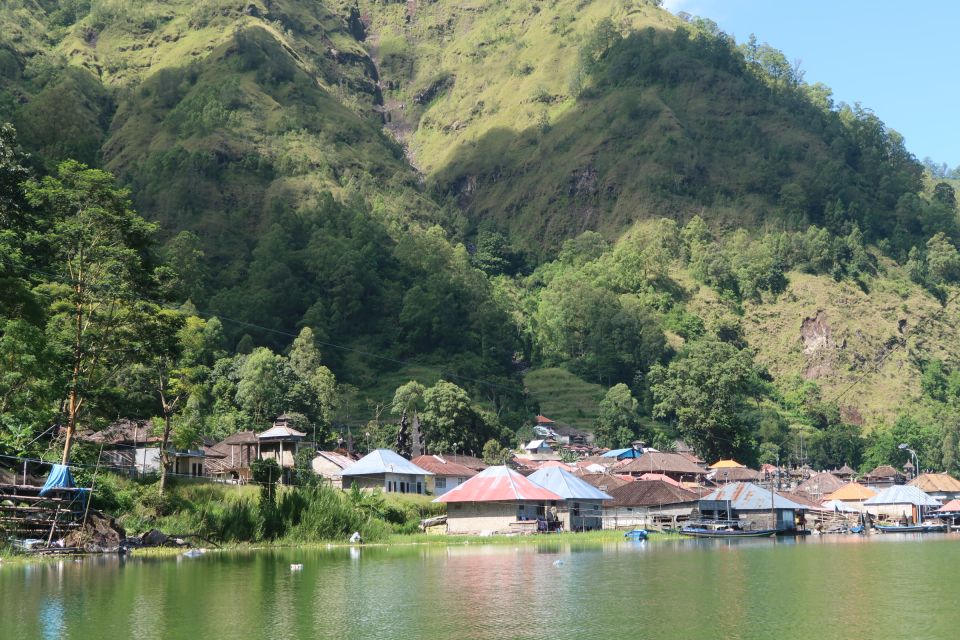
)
(903, 494)
(383, 461)
(498, 484)
(338, 459)
(839, 505)
(563, 483)
(746, 496)
(852, 492)
(281, 431)
(951, 507)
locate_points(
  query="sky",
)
(898, 59)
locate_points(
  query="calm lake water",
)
(829, 587)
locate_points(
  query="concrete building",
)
(583, 502)
(498, 500)
(901, 501)
(329, 465)
(280, 442)
(649, 504)
(387, 470)
(447, 475)
(755, 507)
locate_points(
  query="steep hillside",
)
(554, 118)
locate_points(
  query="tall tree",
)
(98, 246)
(703, 390)
(616, 424)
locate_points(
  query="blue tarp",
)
(60, 478)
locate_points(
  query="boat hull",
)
(934, 528)
(708, 533)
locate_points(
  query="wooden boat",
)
(911, 528)
(723, 529)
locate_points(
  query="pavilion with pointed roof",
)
(852, 494)
(726, 464)
(498, 500)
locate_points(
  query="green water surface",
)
(827, 587)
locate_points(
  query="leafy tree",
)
(943, 260)
(494, 453)
(616, 424)
(704, 390)
(97, 245)
(261, 386)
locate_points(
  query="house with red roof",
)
(498, 500)
(447, 474)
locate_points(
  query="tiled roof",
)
(931, 482)
(498, 484)
(659, 462)
(123, 432)
(882, 472)
(603, 481)
(440, 466)
(646, 493)
(475, 463)
(821, 484)
(733, 474)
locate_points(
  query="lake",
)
(819, 587)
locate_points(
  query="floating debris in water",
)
(296, 567)
(558, 563)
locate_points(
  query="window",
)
(440, 483)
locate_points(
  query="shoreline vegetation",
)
(10, 557)
(309, 515)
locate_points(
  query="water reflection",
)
(867, 586)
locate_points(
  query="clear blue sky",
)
(898, 59)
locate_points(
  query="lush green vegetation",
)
(616, 216)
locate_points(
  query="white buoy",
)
(296, 567)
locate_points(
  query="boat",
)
(636, 534)
(723, 529)
(911, 528)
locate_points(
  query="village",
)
(552, 484)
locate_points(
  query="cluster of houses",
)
(602, 489)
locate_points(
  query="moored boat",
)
(911, 528)
(723, 529)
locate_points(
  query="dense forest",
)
(214, 212)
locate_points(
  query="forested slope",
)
(475, 191)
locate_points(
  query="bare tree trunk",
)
(164, 454)
(74, 402)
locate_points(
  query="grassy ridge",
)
(563, 397)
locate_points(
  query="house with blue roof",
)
(584, 502)
(387, 470)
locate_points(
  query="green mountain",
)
(489, 190)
